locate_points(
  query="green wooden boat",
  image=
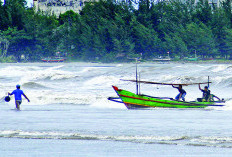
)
(137, 101)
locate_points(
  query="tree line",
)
(109, 30)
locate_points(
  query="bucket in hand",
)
(7, 98)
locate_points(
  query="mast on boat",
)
(208, 82)
(136, 73)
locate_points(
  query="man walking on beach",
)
(18, 96)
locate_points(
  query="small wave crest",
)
(33, 85)
(220, 68)
(102, 80)
(47, 75)
(211, 141)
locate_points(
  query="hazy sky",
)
(29, 2)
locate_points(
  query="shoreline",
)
(143, 61)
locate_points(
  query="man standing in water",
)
(18, 96)
(181, 94)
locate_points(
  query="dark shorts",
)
(19, 101)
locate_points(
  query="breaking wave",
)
(92, 84)
(48, 75)
(207, 141)
(44, 98)
(34, 73)
(33, 85)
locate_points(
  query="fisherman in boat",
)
(181, 94)
(206, 94)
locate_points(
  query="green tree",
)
(17, 42)
(226, 6)
(199, 38)
(3, 18)
(203, 12)
(15, 11)
(146, 40)
(226, 48)
(175, 45)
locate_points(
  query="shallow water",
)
(69, 114)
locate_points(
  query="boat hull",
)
(134, 101)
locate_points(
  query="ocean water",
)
(69, 114)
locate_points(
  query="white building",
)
(58, 6)
(61, 6)
(212, 2)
